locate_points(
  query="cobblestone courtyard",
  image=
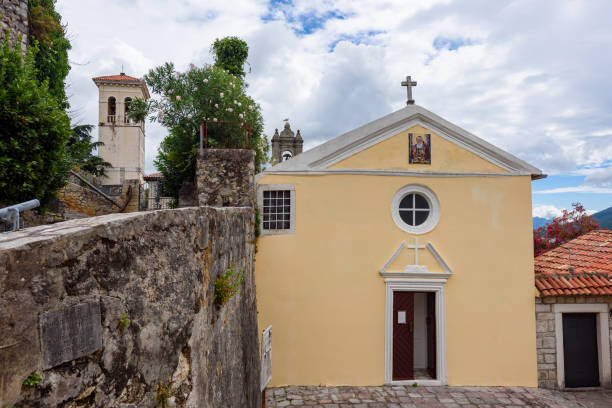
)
(406, 396)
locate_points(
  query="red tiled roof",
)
(591, 256)
(153, 176)
(120, 77)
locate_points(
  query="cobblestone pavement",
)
(407, 396)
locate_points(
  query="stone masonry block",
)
(542, 308)
(548, 342)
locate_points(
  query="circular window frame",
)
(434, 205)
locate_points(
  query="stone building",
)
(124, 139)
(14, 19)
(286, 144)
(573, 313)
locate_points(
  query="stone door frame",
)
(416, 285)
(603, 339)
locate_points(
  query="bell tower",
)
(124, 139)
(286, 144)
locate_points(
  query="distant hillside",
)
(540, 222)
(604, 217)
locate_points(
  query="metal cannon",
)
(11, 214)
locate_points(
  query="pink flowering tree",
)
(183, 100)
(569, 225)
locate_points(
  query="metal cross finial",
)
(416, 248)
(409, 83)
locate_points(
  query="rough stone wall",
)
(90, 203)
(158, 268)
(546, 337)
(84, 200)
(14, 17)
(225, 177)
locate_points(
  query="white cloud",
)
(546, 211)
(550, 211)
(576, 189)
(514, 74)
(599, 177)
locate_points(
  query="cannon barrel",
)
(27, 205)
(11, 213)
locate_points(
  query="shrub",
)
(33, 379)
(570, 225)
(33, 132)
(227, 285)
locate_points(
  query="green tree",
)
(230, 54)
(47, 33)
(34, 129)
(207, 93)
(80, 147)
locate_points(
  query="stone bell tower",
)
(286, 145)
(124, 139)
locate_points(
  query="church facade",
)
(398, 253)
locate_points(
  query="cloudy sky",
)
(532, 77)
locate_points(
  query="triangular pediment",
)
(419, 266)
(381, 146)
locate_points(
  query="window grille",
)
(276, 209)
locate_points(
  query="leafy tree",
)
(570, 225)
(208, 93)
(47, 33)
(80, 146)
(231, 54)
(34, 129)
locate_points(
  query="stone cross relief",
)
(416, 269)
(409, 83)
(416, 248)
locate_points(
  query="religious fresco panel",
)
(419, 148)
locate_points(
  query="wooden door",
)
(403, 336)
(431, 334)
(580, 350)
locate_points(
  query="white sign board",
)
(266, 357)
(401, 317)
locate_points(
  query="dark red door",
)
(431, 334)
(403, 336)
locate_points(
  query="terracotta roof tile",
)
(120, 77)
(591, 256)
(153, 176)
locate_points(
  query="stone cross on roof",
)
(409, 83)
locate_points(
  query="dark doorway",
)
(414, 336)
(580, 350)
(431, 334)
(403, 337)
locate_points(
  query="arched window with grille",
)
(126, 107)
(112, 109)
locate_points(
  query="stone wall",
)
(225, 177)
(85, 201)
(158, 269)
(88, 202)
(14, 17)
(546, 337)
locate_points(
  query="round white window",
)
(415, 209)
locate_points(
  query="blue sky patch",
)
(451, 44)
(591, 201)
(304, 23)
(359, 38)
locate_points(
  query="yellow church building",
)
(399, 253)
